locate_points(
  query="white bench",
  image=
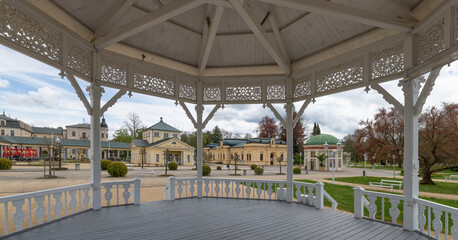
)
(451, 177)
(138, 170)
(385, 183)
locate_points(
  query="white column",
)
(289, 151)
(411, 164)
(96, 151)
(199, 112)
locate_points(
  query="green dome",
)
(321, 139)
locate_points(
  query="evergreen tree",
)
(316, 129)
(216, 135)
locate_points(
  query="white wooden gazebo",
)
(217, 52)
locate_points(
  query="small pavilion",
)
(316, 146)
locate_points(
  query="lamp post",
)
(326, 145)
(58, 152)
(339, 146)
(365, 159)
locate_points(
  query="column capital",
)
(200, 109)
(411, 85)
(94, 89)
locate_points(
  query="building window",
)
(12, 132)
(73, 134)
(74, 151)
(261, 157)
(3, 123)
(174, 143)
(166, 135)
(157, 157)
(3, 132)
(242, 156)
(156, 134)
(103, 135)
(189, 158)
(175, 135)
(84, 135)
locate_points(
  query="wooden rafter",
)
(347, 13)
(115, 13)
(248, 16)
(405, 10)
(209, 38)
(160, 15)
(278, 38)
(425, 22)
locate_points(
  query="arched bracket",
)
(426, 90)
(188, 113)
(79, 92)
(301, 111)
(388, 97)
(210, 116)
(277, 115)
(112, 101)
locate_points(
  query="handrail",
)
(332, 200)
(43, 192)
(439, 206)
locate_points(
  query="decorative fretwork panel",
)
(302, 87)
(431, 41)
(276, 92)
(387, 62)
(79, 59)
(342, 75)
(243, 93)
(187, 91)
(153, 83)
(113, 72)
(456, 25)
(22, 30)
(212, 94)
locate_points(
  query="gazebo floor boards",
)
(213, 218)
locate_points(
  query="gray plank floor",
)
(212, 218)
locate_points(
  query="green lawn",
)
(440, 187)
(344, 197)
(368, 167)
(443, 174)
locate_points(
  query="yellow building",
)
(158, 140)
(259, 151)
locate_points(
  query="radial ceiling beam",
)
(248, 16)
(209, 38)
(115, 13)
(278, 38)
(346, 13)
(158, 16)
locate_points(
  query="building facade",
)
(161, 144)
(315, 147)
(14, 127)
(259, 151)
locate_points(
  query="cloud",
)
(44, 96)
(4, 83)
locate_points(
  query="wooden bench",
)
(385, 183)
(451, 177)
(138, 170)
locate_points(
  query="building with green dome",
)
(315, 146)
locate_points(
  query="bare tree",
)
(133, 123)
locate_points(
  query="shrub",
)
(117, 169)
(218, 168)
(206, 170)
(5, 164)
(172, 166)
(297, 170)
(258, 171)
(104, 164)
(253, 166)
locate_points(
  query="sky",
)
(33, 92)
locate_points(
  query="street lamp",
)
(326, 145)
(339, 146)
(365, 159)
(58, 152)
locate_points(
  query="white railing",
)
(35, 208)
(306, 193)
(429, 213)
(331, 199)
(425, 219)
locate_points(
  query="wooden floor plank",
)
(215, 218)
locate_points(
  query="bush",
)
(218, 168)
(297, 170)
(206, 170)
(258, 171)
(104, 164)
(117, 169)
(253, 166)
(5, 164)
(172, 166)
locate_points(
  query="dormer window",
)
(174, 143)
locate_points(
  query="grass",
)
(440, 187)
(368, 167)
(344, 195)
(444, 174)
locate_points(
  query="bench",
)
(451, 177)
(138, 170)
(385, 183)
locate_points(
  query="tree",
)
(248, 136)
(122, 135)
(267, 128)
(299, 134)
(133, 123)
(437, 139)
(235, 157)
(348, 142)
(280, 160)
(316, 129)
(216, 135)
(226, 134)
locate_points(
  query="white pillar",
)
(411, 164)
(199, 112)
(289, 151)
(96, 156)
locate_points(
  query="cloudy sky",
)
(34, 93)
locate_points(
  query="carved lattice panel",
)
(302, 87)
(212, 94)
(153, 83)
(79, 59)
(187, 91)
(342, 75)
(456, 25)
(276, 92)
(22, 30)
(113, 72)
(387, 62)
(243, 93)
(431, 41)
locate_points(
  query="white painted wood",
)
(433, 16)
(160, 15)
(437, 223)
(199, 128)
(248, 16)
(126, 193)
(388, 97)
(6, 218)
(79, 92)
(209, 39)
(394, 211)
(57, 204)
(289, 107)
(114, 14)
(188, 113)
(86, 198)
(277, 115)
(112, 101)
(73, 201)
(19, 214)
(210, 116)
(404, 9)
(40, 210)
(358, 202)
(301, 111)
(96, 154)
(278, 37)
(346, 13)
(427, 88)
(372, 208)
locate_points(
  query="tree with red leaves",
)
(267, 128)
(300, 134)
